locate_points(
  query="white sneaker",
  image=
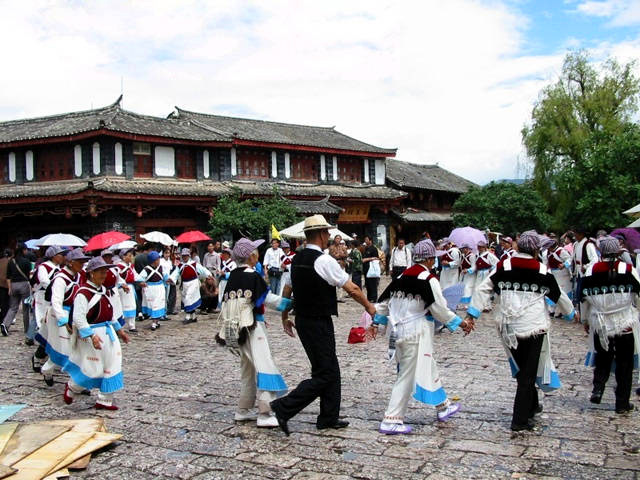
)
(267, 421)
(394, 428)
(244, 415)
(452, 409)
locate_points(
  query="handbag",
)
(357, 335)
(374, 269)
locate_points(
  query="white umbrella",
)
(61, 239)
(158, 237)
(296, 231)
(123, 245)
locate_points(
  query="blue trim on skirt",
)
(271, 382)
(431, 398)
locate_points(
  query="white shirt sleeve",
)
(57, 297)
(330, 271)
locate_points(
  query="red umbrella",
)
(192, 236)
(105, 240)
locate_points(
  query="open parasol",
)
(192, 236)
(158, 237)
(469, 235)
(61, 239)
(105, 240)
(631, 237)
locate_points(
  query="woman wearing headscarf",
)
(559, 262)
(610, 289)
(127, 290)
(154, 298)
(467, 273)
(485, 262)
(411, 303)
(244, 333)
(95, 358)
(60, 294)
(523, 287)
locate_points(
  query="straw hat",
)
(316, 222)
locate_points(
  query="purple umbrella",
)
(631, 237)
(469, 235)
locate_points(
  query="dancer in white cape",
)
(244, 333)
(95, 359)
(523, 288)
(450, 262)
(410, 304)
(467, 273)
(154, 295)
(610, 288)
(559, 262)
(227, 265)
(485, 262)
(43, 275)
(190, 273)
(127, 290)
(60, 295)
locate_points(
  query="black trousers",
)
(171, 299)
(621, 349)
(527, 356)
(4, 302)
(356, 277)
(372, 288)
(209, 303)
(396, 271)
(318, 340)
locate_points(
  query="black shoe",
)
(133, 330)
(638, 391)
(337, 425)
(187, 321)
(516, 427)
(29, 342)
(282, 423)
(537, 411)
(3, 329)
(596, 396)
(49, 381)
(36, 368)
(86, 392)
(629, 408)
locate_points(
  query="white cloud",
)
(621, 12)
(443, 81)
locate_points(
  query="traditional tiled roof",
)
(283, 133)
(426, 177)
(111, 117)
(415, 215)
(191, 188)
(313, 207)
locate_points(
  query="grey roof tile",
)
(207, 188)
(284, 133)
(427, 177)
(422, 216)
(323, 206)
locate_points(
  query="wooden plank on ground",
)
(98, 441)
(6, 431)
(64, 473)
(6, 471)
(81, 463)
(39, 463)
(29, 438)
(80, 424)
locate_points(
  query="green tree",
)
(576, 125)
(502, 207)
(251, 217)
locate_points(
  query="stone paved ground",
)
(177, 413)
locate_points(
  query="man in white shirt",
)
(271, 264)
(211, 260)
(400, 259)
(314, 278)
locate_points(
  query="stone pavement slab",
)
(181, 389)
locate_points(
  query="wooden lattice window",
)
(142, 166)
(4, 168)
(54, 162)
(304, 166)
(350, 170)
(185, 163)
(253, 163)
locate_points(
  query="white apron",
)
(154, 300)
(191, 295)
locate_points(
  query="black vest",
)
(312, 295)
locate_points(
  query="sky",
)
(450, 82)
